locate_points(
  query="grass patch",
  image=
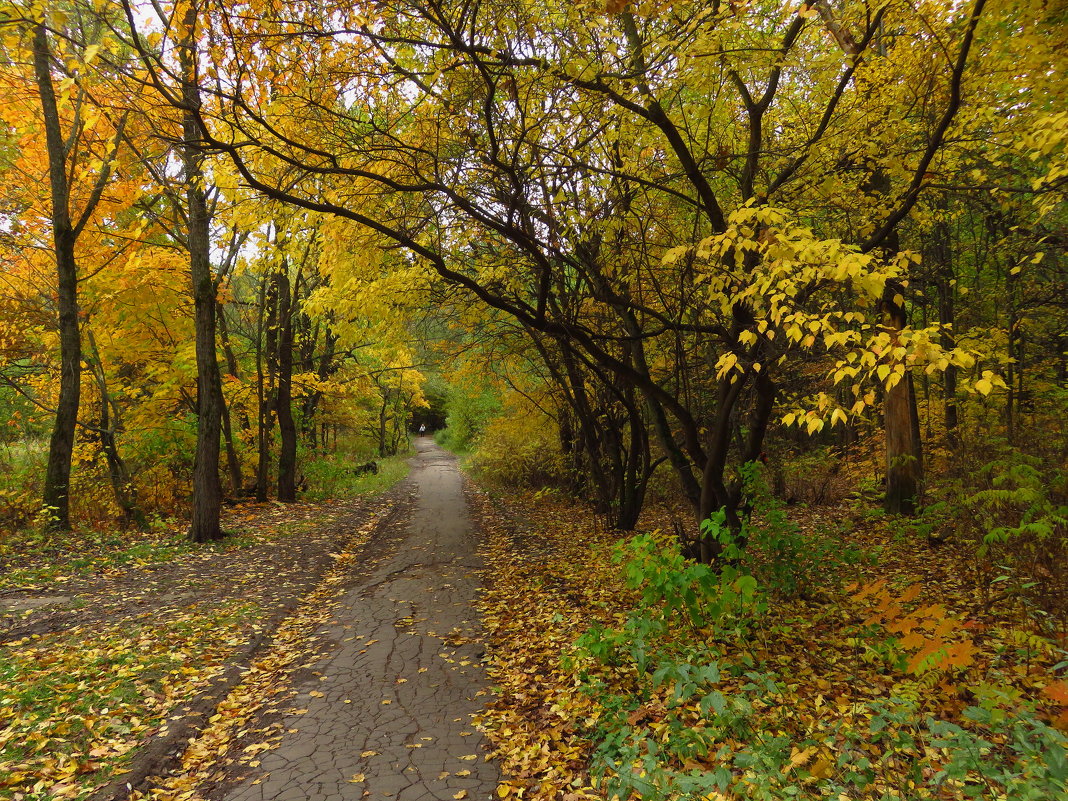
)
(75, 703)
(334, 475)
(36, 559)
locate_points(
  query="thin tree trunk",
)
(287, 427)
(121, 482)
(942, 256)
(949, 375)
(311, 402)
(264, 392)
(56, 495)
(233, 460)
(381, 432)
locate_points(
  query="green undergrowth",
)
(687, 710)
(36, 559)
(800, 668)
(32, 559)
(336, 475)
(74, 704)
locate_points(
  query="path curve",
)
(389, 705)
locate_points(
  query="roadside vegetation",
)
(878, 670)
(105, 634)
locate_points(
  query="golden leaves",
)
(85, 698)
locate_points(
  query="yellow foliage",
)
(520, 446)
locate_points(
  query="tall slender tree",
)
(207, 488)
(66, 228)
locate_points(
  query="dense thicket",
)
(668, 228)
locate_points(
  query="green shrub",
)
(1014, 509)
(333, 475)
(467, 410)
(786, 561)
(22, 469)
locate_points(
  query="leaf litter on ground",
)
(85, 685)
(550, 578)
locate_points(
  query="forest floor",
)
(334, 651)
(900, 671)
(115, 648)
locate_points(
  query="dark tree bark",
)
(207, 489)
(265, 394)
(904, 466)
(323, 370)
(65, 233)
(287, 427)
(56, 496)
(949, 375)
(233, 462)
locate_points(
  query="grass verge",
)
(75, 703)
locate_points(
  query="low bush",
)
(1014, 511)
(684, 712)
(519, 447)
(22, 467)
(786, 560)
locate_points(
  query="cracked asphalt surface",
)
(389, 705)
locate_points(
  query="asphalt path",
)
(389, 705)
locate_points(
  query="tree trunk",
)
(637, 467)
(714, 494)
(264, 390)
(904, 454)
(311, 401)
(233, 460)
(121, 482)
(571, 452)
(207, 489)
(942, 256)
(383, 411)
(287, 427)
(949, 375)
(56, 495)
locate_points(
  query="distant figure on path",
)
(422, 428)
